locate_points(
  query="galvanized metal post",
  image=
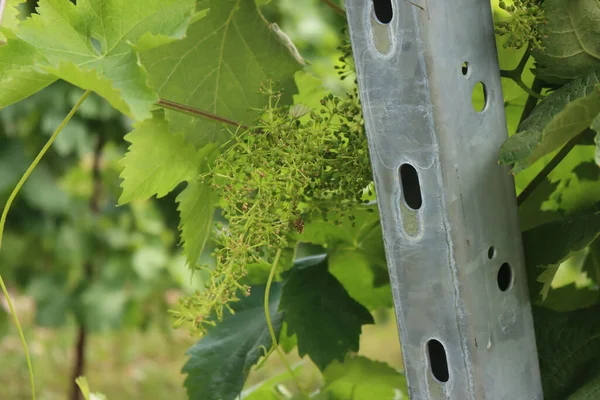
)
(448, 210)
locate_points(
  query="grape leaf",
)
(554, 242)
(85, 389)
(589, 391)
(558, 118)
(354, 271)
(356, 255)
(570, 297)
(264, 393)
(326, 320)
(572, 186)
(363, 233)
(196, 210)
(157, 160)
(359, 378)
(570, 40)
(10, 17)
(546, 278)
(220, 362)
(18, 78)
(266, 390)
(568, 349)
(95, 45)
(310, 90)
(591, 265)
(180, 273)
(578, 179)
(219, 68)
(532, 211)
(287, 342)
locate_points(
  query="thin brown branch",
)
(543, 174)
(80, 346)
(331, 4)
(79, 365)
(171, 105)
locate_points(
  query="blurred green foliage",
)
(66, 243)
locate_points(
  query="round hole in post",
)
(465, 69)
(505, 277)
(438, 362)
(383, 10)
(491, 252)
(479, 97)
(411, 188)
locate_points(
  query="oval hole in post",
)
(505, 277)
(383, 10)
(411, 188)
(438, 360)
(479, 97)
(465, 69)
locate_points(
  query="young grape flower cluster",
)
(295, 163)
(522, 26)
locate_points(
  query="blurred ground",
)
(136, 365)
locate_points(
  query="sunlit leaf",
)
(219, 68)
(157, 161)
(93, 45)
(359, 378)
(558, 118)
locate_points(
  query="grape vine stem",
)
(539, 178)
(182, 108)
(275, 345)
(9, 202)
(532, 101)
(517, 73)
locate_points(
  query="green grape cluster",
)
(293, 164)
(522, 27)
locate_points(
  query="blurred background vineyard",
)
(92, 282)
